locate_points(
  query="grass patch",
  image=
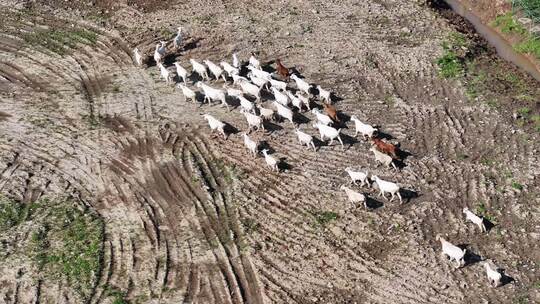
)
(531, 8)
(67, 246)
(60, 41)
(13, 213)
(508, 25)
(481, 209)
(451, 63)
(517, 185)
(250, 225)
(119, 297)
(461, 156)
(322, 218)
(529, 43)
(487, 162)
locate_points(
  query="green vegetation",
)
(508, 25)
(64, 242)
(490, 82)
(324, 217)
(60, 40)
(68, 245)
(481, 209)
(531, 8)
(529, 44)
(517, 185)
(451, 63)
(119, 297)
(250, 225)
(487, 162)
(13, 213)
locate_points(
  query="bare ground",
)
(193, 218)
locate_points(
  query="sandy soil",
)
(192, 218)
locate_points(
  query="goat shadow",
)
(347, 139)
(263, 144)
(192, 44)
(407, 195)
(272, 127)
(505, 278)
(267, 66)
(402, 154)
(489, 225)
(232, 101)
(230, 129)
(283, 165)
(382, 135)
(199, 96)
(470, 257)
(293, 70)
(333, 97)
(300, 118)
(372, 203)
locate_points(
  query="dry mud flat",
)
(189, 218)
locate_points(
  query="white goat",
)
(260, 82)
(280, 85)
(213, 94)
(253, 120)
(267, 114)
(357, 176)
(250, 144)
(165, 73)
(215, 124)
(385, 186)
(260, 73)
(305, 139)
(493, 274)
(138, 56)
(270, 161)
(296, 102)
(304, 99)
(181, 72)
(215, 70)
(250, 89)
(237, 78)
(363, 128)
(452, 251)
(188, 93)
(232, 91)
(355, 197)
(280, 97)
(382, 158)
(329, 132)
(199, 68)
(254, 62)
(177, 42)
(322, 118)
(479, 221)
(158, 57)
(302, 84)
(324, 94)
(246, 104)
(229, 68)
(235, 61)
(284, 111)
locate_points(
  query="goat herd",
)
(276, 84)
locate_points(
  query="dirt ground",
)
(193, 218)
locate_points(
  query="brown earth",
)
(192, 218)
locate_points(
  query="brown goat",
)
(282, 70)
(331, 112)
(386, 148)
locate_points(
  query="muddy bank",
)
(502, 43)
